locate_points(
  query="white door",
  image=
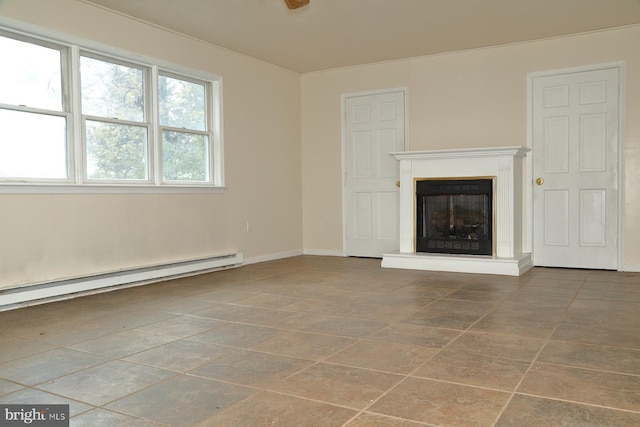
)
(575, 169)
(374, 127)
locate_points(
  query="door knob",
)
(397, 183)
(539, 181)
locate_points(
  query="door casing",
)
(343, 103)
(529, 178)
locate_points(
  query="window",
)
(183, 124)
(78, 117)
(114, 120)
(33, 116)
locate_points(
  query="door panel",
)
(575, 155)
(374, 127)
(388, 208)
(556, 144)
(593, 217)
(362, 155)
(593, 147)
(556, 218)
(362, 216)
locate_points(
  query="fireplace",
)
(454, 216)
(502, 168)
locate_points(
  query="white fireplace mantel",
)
(505, 166)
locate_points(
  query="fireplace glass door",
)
(454, 216)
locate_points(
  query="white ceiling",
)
(338, 33)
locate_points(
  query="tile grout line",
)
(538, 353)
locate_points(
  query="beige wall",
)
(46, 237)
(468, 99)
(459, 100)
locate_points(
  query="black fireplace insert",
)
(454, 216)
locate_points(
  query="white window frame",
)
(147, 123)
(77, 181)
(64, 112)
(209, 110)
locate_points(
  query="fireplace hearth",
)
(454, 216)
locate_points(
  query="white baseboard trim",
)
(323, 252)
(68, 288)
(272, 257)
(631, 268)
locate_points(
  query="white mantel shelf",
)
(505, 165)
(462, 153)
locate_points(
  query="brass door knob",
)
(397, 183)
(539, 181)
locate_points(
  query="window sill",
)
(106, 189)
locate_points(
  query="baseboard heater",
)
(66, 288)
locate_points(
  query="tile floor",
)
(325, 341)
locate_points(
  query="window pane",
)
(111, 90)
(182, 104)
(185, 156)
(32, 145)
(30, 75)
(116, 152)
